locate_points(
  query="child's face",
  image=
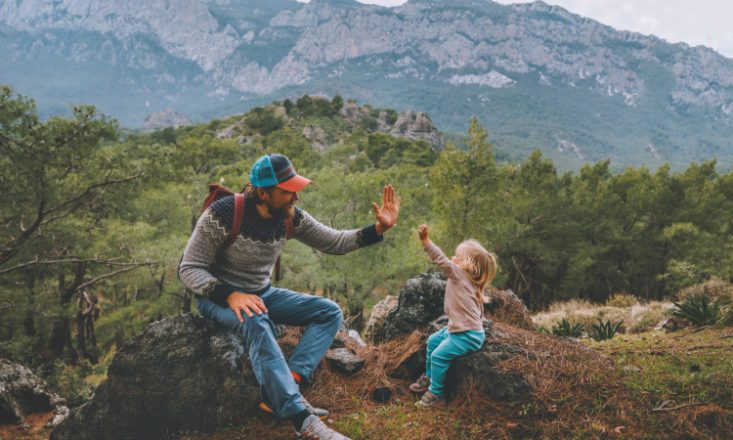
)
(459, 256)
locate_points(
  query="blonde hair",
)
(480, 265)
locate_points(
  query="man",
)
(232, 283)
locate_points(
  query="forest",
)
(94, 220)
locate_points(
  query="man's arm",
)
(208, 236)
(319, 236)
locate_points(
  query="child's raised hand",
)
(422, 232)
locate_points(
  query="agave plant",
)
(698, 310)
(604, 330)
(564, 328)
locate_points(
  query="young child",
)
(469, 272)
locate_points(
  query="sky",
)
(694, 22)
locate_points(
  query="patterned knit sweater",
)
(247, 263)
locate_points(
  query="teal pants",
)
(443, 347)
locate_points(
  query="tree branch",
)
(111, 274)
(37, 261)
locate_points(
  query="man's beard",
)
(281, 213)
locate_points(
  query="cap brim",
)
(294, 184)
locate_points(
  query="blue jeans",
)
(443, 347)
(321, 318)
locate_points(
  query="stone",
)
(419, 312)
(378, 316)
(182, 373)
(344, 360)
(23, 393)
(420, 301)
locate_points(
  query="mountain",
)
(537, 76)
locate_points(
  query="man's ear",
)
(262, 194)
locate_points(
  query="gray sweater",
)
(215, 272)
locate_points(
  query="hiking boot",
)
(314, 429)
(430, 400)
(421, 385)
(319, 412)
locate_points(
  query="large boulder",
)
(419, 313)
(182, 373)
(419, 302)
(22, 393)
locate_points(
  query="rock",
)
(354, 335)
(505, 306)
(418, 126)
(420, 301)
(485, 378)
(22, 393)
(419, 312)
(344, 360)
(378, 316)
(343, 338)
(166, 118)
(181, 374)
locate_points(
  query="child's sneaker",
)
(422, 384)
(430, 400)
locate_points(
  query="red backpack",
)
(217, 192)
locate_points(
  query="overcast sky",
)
(692, 21)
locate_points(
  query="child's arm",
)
(434, 252)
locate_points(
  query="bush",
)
(713, 289)
(698, 310)
(726, 315)
(564, 328)
(604, 330)
(622, 299)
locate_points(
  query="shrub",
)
(698, 310)
(604, 330)
(565, 328)
(713, 289)
(622, 299)
(726, 315)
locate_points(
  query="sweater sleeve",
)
(315, 234)
(438, 257)
(194, 270)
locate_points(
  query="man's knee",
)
(331, 311)
(257, 324)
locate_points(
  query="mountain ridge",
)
(538, 76)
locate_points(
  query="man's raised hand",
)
(389, 211)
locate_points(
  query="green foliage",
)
(699, 311)
(264, 120)
(565, 328)
(602, 331)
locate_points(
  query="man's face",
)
(281, 203)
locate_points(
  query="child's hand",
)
(422, 233)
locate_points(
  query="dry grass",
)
(637, 318)
(713, 289)
(577, 392)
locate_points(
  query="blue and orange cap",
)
(276, 170)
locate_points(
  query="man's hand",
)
(247, 302)
(422, 233)
(389, 211)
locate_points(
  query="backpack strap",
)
(237, 220)
(288, 228)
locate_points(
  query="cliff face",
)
(453, 59)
